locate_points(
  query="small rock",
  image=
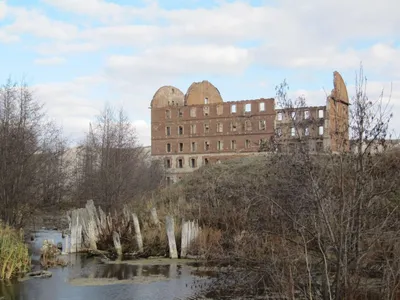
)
(40, 274)
(59, 246)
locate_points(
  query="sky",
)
(78, 55)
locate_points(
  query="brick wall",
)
(215, 124)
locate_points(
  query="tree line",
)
(38, 169)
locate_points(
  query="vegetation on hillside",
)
(301, 225)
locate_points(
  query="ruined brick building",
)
(197, 128)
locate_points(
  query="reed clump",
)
(14, 255)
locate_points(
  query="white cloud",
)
(180, 60)
(143, 132)
(55, 60)
(103, 10)
(34, 22)
(65, 48)
(293, 35)
(70, 104)
(7, 38)
(3, 9)
(161, 46)
(131, 35)
(75, 104)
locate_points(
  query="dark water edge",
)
(87, 278)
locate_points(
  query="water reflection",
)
(177, 280)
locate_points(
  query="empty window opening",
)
(168, 148)
(180, 147)
(279, 131)
(306, 114)
(180, 163)
(168, 114)
(319, 146)
(206, 100)
(194, 148)
(193, 112)
(248, 125)
(233, 144)
(206, 110)
(320, 113)
(220, 127)
(220, 145)
(168, 163)
(206, 145)
(321, 130)
(168, 131)
(247, 107)
(292, 131)
(220, 110)
(280, 117)
(262, 125)
(206, 128)
(206, 161)
(262, 106)
(233, 126)
(233, 108)
(193, 129)
(180, 130)
(306, 131)
(247, 144)
(193, 162)
(180, 113)
(169, 181)
(293, 115)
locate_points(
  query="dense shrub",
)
(14, 256)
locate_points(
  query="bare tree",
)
(30, 149)
(114, 167)
(349, 206)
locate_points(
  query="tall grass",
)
(14, 256)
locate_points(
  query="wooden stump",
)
(138, 234)
(170, 226)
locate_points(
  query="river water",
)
(89, 279)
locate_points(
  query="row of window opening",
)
(180, 163)
(247, 126)
(247, 108)
(220, 110)
(294, 132)
(207, 146)
(306, 115)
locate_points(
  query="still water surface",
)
(88, 279)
